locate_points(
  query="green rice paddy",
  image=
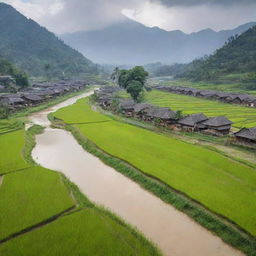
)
(11, 146)
(224, 186)
(241, 116)
(30, 197)
(87, 232)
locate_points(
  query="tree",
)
(135, 89)
(133, 81)
(115, 75)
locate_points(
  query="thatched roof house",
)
(193, 122)
(247, 135)
(140, 107)
(219, 125)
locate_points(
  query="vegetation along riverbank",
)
(42, 205)
(166, 158)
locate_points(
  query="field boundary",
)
(229, 232)
(179, 136)
(38, 225)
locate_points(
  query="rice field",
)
(87, 232)
(221, 184)
(9, 125)
(11, 146)
(30, 197)
(241, 116)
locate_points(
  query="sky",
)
(66, 16)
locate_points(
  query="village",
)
(226, 97)
(217, 126)
(35, 94)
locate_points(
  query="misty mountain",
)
(238, 55)
(130, 42)
(33, 48)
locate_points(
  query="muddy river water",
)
(172, 231)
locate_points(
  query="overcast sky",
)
(61, 16)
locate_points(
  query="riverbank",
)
(227, 233)
(83, 226)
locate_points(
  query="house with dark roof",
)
(218, 126)
(192, 122)
(140, 108)
(13, 101)
(127, 107)
(32, 99)
(163, 116)
(246, 136)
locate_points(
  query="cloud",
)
(62, 16)
(203, 2)
(190, 18)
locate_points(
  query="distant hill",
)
(130, 42)
(238, 55)
(36, 50)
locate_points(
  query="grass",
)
(228, 83)
(215, 224)
(36, 216)
(9, 125)
(87, 232)
(221, 184)
(29, 197)
(241, 116)
(11, 158)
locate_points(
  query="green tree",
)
(133, 81)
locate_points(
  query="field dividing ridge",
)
(219, 183)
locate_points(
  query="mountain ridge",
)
(32, 47)
(130, 42)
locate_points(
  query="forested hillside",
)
(36, 50)
(238, 55)
(7, 68)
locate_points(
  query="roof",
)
(192, 120)
(127, 104)
(247, 133)
(32, 97)
(161, 113)
(141, 106)
(2, 87)
(13, 100)
(218, 121)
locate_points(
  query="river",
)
(172, 231)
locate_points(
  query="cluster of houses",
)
(232, 98)
(219, 126)
(39, 92)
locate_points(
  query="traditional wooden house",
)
(32, 99)
(162, 116)
(192, 122)
(127, 107)
(139, 109)
(105, 101)
(218, 126)
(13, 101)
(246, 136)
